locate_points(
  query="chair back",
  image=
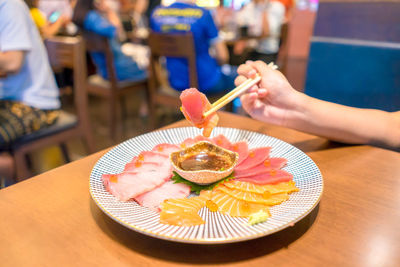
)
(283, 48)
(179, 45)
(355, 54)
(97, 43)
(69, 52)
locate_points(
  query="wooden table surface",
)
(51, 220)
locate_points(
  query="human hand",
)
(273, 99)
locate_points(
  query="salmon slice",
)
(234, 207)
(267, 165)
(182, 211)
(256, 156)
(270, 200)
(285, 187)
(194, 104)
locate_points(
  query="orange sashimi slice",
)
(254, 197)
(234, 207)
(285, 187)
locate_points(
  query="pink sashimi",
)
(150, 156)
(165, 148)
(127, 185)
(142, 166)
(266, 166)
(154, 198)
(242, 148)
(200, 138)
(187, 143)
(222, 141)
(270, 177)
(194, 104)
(255, 157)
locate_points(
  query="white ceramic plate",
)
(218, 228)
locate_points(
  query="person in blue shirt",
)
(184, 16)
(95, 16)
(28, 92)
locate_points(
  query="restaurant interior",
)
(119, 69)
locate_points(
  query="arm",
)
(52, 29)
(275, 101)
(10, 62)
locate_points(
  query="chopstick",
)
(236, 92)
(246, 85)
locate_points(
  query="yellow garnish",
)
(141, 157)
(258, 217)
(211, 205)
(160, 149)
(114, 179)
(235, 147)
(219, 142)
(183, 146)
(252, 155)
(272, 172)
(267, 163)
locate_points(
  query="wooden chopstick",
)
(233, 94)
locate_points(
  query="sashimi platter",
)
(219, 185)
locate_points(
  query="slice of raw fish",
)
(222, 141)
(285, 187)
(142, 166)
(187, 143)
(194, 104)
(255, 157)
(167, 190)
(270, 177)
(200, 138)
(242, 148)
(149, 156)
(129, 185)
(165, 148)
(267, 165)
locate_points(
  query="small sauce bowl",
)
(204, 163)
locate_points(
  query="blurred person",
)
(47, 28)
(261, 18)
(289, 5)
(183, 16)
(28, 92)
(95, 16)
(275, 101)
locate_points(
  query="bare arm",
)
(345, 124)
(10, 62)
(221, 52)
(275, 101)
(49, 30)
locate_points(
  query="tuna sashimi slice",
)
(242, 148)
(194, 104)
(165, 148)
(128, 185)
(267, 165)
(270, 177)
(222, 141)
(255, 157)
(167, 190)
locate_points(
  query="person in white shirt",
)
(263, 18)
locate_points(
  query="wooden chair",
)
(168, 45)
(112, 89)
(283, 48)
(64, 52)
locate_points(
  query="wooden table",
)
(51, 220)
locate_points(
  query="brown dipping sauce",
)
(204, 161)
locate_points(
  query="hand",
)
(272, 99)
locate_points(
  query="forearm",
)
(345, 124)
(51, 29)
